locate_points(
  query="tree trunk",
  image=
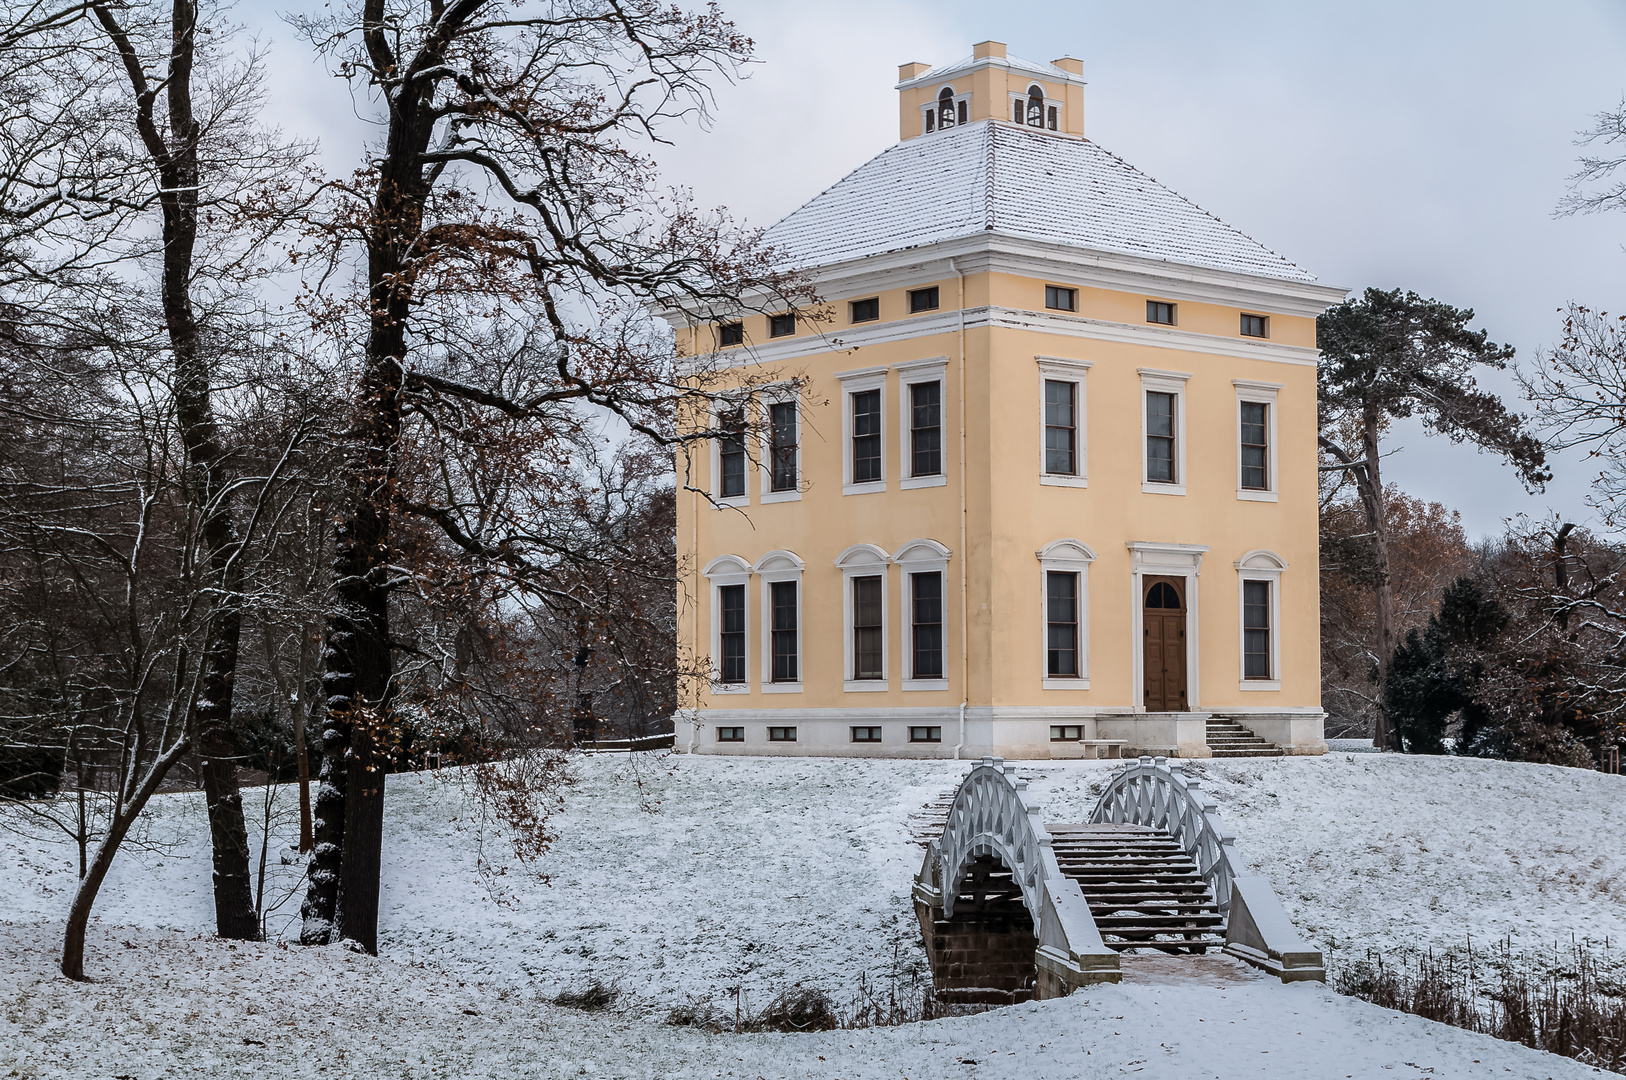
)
(1369, 483)
(301, 708)
(235, 914)
(125, 813)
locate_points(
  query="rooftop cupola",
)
(990, 85)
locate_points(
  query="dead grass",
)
(1563, 1005)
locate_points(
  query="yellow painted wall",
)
(1009, 514)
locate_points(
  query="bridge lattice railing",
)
(1153, 793)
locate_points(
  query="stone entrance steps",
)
(1228, 739)
(1143, 889)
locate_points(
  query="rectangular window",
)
(781, 325)
(1061, 624)
(1256, 629)
(730, 333)
(1255, 445)
(731, 633)
(781, 734)
(960, 111)
(866, 436)
(925, 429)
(730, 734)
(925, 734)
(782, 446)
(866, 734)
(926, 624)
(1016, 110)
(866, 310)
(1159, 312)
(1066, 733)
(782, 601)
(1160, 437)
(731, 456)
(923, 300)
(1060, 299)
(1050, 117)
(1060, 427)
(867, 601)
(1254, 326)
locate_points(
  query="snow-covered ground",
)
(682, 877)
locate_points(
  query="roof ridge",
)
(990, 203)
(1149, 178)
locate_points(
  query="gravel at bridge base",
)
(683, 877)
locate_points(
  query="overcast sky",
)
(1420, 145)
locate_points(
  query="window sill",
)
(1251, 495)
(865, 686)
(877, 486)
(779, 496)
(733, 501)
(781, 688)
(718, 689)
(925, 684)
(1151, 488)
(924, 482)
(1261, 684)
(1060, 480)
(1067, 684)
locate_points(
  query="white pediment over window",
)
(1066, 550)
(921, 551)
(863, 555)
(778, 560)
(726, 566)
(1260, 559)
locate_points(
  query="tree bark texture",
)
(179, 178)
(357, 682)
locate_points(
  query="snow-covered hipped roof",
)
(989, 177)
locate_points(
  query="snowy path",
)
(710, 873)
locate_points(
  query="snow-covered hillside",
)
(680, 877)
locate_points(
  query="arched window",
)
(1035, 106)
(945, 108)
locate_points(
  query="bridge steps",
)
(1144, 891)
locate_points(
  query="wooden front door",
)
(1163, 617)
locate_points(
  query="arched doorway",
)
(1163, 621)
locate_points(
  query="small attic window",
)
(730, 333)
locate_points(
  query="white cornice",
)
(1073, 326)
(1063, 265)
(1049, 72)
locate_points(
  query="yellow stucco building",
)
(1049, 487)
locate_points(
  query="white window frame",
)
(1065, 556)
(857, 382)
(1165, 382)
(780, 566)
(769, 397)
(728, 570)
(744, 498)
(1263, 393)
(1153, 559)
(1059, 369)
(1266, 566)
(864, 560)
(911, 374)
(931, 106)
(923, 556)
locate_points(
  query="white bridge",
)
(1013, 908)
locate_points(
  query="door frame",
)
(1151, 559)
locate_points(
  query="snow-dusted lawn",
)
(687, 876)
